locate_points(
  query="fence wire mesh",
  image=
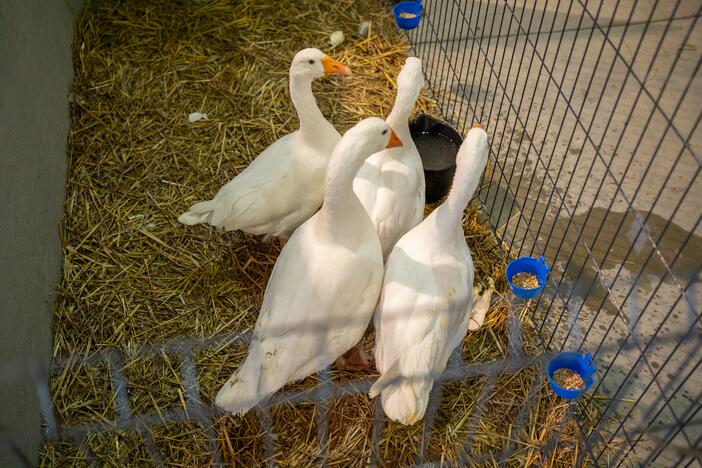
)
(204, 414)
(593, 109)
(593, 113)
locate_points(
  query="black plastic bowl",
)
(437, 143)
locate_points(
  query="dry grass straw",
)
(133, 275)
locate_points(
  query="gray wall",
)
(35, 75)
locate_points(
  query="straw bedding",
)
(133, 275)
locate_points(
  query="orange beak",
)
(476, 125)
(394, 140)
(332, 67)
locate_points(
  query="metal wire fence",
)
(593, 109)
(204, 414)
(593, 112)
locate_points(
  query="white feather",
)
(336, 38)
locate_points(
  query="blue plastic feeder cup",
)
(578, 363)
(535, 266)
(408, 14)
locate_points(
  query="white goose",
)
(390, 184)
(284, 185)
(324, 285)
(427, 297)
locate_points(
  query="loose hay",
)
(133, 275)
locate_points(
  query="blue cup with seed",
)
(570, 374)
(527, 276)
(407, 14)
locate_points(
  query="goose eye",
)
(385, 132)
(311, 62)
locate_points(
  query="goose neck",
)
(341, 171)
(402, 109)
(465, 182)
(308, 113)
(340, 201)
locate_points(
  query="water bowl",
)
(535, 266)
(407, 14)
(581, 364)
(437, 143)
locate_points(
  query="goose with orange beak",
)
(428, 301)
(284, 185)
(324, 285)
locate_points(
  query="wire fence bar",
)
(428, 422)
(204, 413)
(597, 267)
(612, 201)
(524, 412)
(602, 94)
(553, 440)
(200, 411)
(269, 442)
(196, 408)
(514, 332)
(126, 421)
(323, 416)
(378, 424)
(476, 417)
(570, 214)
(501, 237)
(600, 73)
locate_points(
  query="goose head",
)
(410, 80)
(367, 137)
(341, 210)
(474, 150)
(313, 63)
(370, 136)
(409, 83)
(470, 163)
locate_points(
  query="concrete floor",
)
(583, 106)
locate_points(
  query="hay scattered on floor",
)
(134, 275)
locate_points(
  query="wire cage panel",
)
(593, 112)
